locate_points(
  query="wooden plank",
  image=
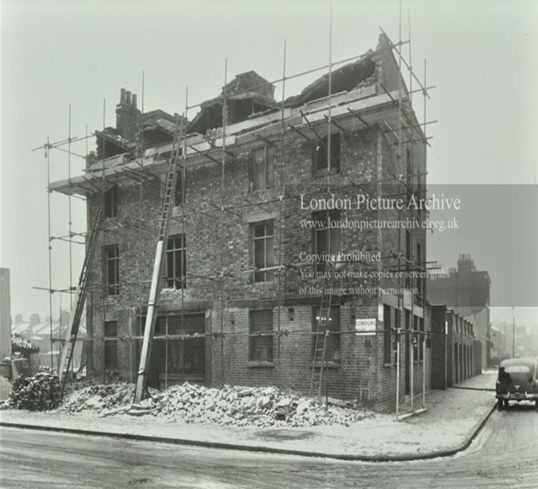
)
(344, 98)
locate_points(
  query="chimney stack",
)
(34, 320)
(127, 115)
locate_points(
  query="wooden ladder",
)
(155, 289)
(322, 326)
(80, 300)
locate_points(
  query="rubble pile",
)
(230, 406)
(38, 393)
(99, 397)
(240, 406)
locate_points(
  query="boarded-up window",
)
(322, 321)
(263, 251)
(261, 338)
(111, 345)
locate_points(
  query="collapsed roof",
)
(362, 93)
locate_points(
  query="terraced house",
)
(277, 270)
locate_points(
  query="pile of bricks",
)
(230, 406)
(99, 398)
(38, 393)
(239, 406)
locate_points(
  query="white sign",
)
(365, 326)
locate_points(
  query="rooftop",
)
(364, 92)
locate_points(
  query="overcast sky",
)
(482, 56)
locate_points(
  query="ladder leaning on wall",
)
(155, 289)
(80, 300)
(322, 327)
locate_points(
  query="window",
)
(111, 202)
(261, 345)
(320, 151)
(262, 168)
(112, 270)
(327, 241)
(176, 262)
(421, 269)
(263, 253)
(410, 180)
(397, 325)
(417, 340)
(387, 338)
(408, 259)
(111, 345)
(421, 338)
(321, 321)
(184, 356)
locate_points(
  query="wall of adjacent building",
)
(5, 313)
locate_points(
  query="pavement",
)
(452, 419)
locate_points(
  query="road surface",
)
(504, 455)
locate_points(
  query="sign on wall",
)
(365, 326)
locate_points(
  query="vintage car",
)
(517, 381)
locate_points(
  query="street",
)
(504, 454)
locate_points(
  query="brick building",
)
(466, 290)
(245, 265)
(456, 351)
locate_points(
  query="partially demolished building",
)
(277, 272)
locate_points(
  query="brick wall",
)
(219, 240)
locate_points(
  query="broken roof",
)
(363, 93)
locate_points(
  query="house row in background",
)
(38, 332)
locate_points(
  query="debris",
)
(38, 393)
(231, 406)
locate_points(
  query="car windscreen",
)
(517, 369)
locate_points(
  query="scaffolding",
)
(217, 152)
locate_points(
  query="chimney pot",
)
(128, 97)
(122, 96)
(133, 100)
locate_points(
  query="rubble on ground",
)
(38, 393)
(230, 406)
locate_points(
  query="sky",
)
(62, 56)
